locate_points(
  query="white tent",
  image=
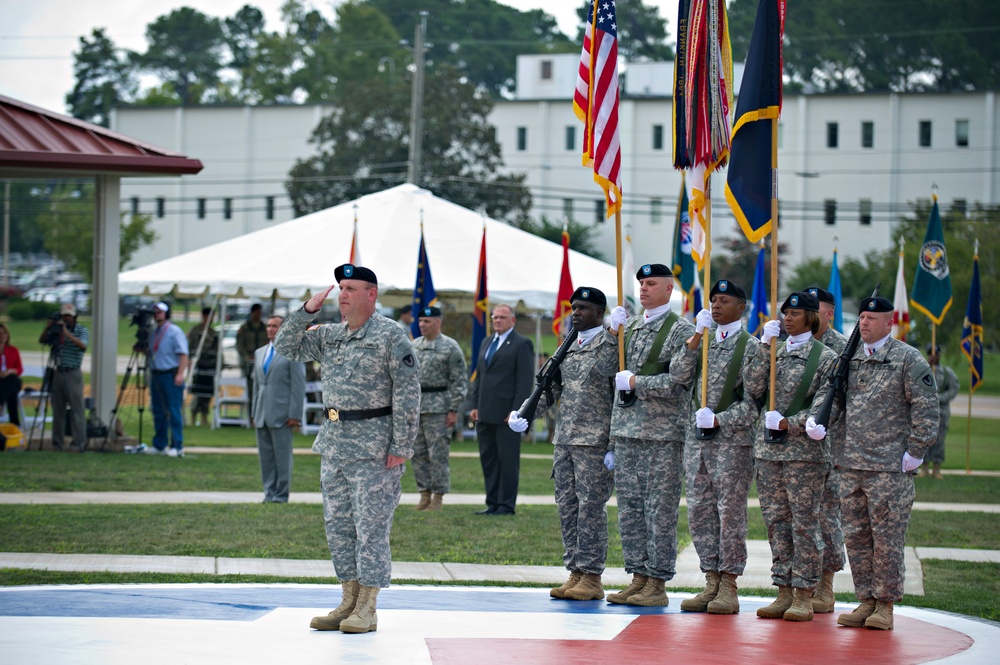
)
(292, 259)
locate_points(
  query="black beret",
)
(821, 294)
(727, 288)
(428, 312)
(878, 304)
(936, 348)
(801, 300)
(653, 270)
(349, 271)
(590, 294)
(405, 309)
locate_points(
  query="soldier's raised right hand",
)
(315, 303)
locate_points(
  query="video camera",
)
(53, 331)
(141, 319)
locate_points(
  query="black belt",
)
(67, 369)
(361, 414)
(433, 389)
(165, 371)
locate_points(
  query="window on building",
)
(829, 212)
(832, 130)
(522, 138)
(655, 211)
(135, 205)
(600, 211)
(161, 207)
(546, 70)
(570, 137)
(269, 208)
(867, 134)
(959, 207)
(567, 208)
(925, 133)
(657, 137)
(865, 212)
(201, 208)
(962, 133)
(227, 208)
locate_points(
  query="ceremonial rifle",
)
(838, 379)
(546, 377)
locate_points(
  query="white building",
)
(848, 164)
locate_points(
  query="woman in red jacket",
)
(10, 376)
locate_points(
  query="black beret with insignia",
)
(878, 304)
(653, 270)
(350, 271)
(801, 300)
(725, 287)
(590, 294)
(428, 312)
(822, 294)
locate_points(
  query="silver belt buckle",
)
(333, 415)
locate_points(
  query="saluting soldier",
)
(792, 472)
(718, 470)
(443, 386)
(892, 418)
(834, 557)
(372, 394)
(582, 483)
(647, 436)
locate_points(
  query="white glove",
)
(609, 460)
(772, 420)
(702, 321)
(623, 380)
(815, 432)
(704, 417)
(910, 462)
(771, 330)
(618, 317)
(516, 422)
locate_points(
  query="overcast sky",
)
(38, 37)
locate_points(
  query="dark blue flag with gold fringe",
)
(972, 329)
(424, 294)
(480, 310)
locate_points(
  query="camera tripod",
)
(48, 374)
(137, 363)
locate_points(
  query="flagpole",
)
(774, 252)
(968, 428)
(705, 339)
(621, 296)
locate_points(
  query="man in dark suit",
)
(277, 409)
(504, 377)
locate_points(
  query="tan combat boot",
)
(332, 620)
(652, 595)
(700, 602)
(363, 619)
(881, 618)
(588, 588)
(425, 500)
(802, 606)
(857, 618)
(727, 602)
(937, 471)
(924, 471)
(777, 609)
(823, 598)
(635, 586)
(560, 591)
(436, 502)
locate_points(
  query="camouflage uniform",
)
(834, 557)
(947, 384)
(648, 440)
(891, 408)
(443, 386)
(718, 471)
(791, 474)
(582, 483)
(368, 368)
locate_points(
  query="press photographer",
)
(68, 340)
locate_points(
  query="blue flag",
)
(480, 310)
(834, 288)
(972, 329)
(931, 292)
(424, 294)
(758, 299)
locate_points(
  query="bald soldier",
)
(372, 395)
(892, 416)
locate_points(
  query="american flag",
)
(595, 101)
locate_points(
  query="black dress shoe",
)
(503, 511)
(488, 511)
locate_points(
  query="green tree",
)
(736, 259)
(243, 33)
(362, 147)
(185, 50)
(581, 236)
(104, 78)
(642, 32)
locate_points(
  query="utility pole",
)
(416, 111)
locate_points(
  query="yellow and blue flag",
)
(424, 294)
(931, 292)
(972, 329)
(480, 310)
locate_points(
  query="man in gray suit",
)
(504, 376)
(277, 409)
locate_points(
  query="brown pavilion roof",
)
(34, 139)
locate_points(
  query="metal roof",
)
(34, 139)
